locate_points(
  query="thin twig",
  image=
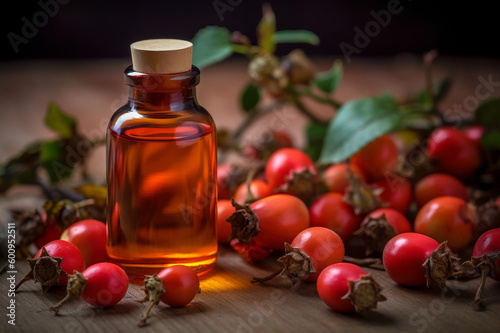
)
(293, 98)
(325, 100)
(478, 302)
(429, 57)
(266, 278)
(252, 116)
(374, 263)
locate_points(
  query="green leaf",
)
(491, 139)
(52, 159)
(211, 45)
(60, 122)
(296, 36)
(97, 192)
(250, 97)
(266, 29)
(328, 81)
(315, 134)
(50, 151)
(21, 169)
(488, 113)
(356, 124)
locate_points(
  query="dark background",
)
(102, 29)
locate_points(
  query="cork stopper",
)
(162, 56)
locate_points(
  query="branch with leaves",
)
(49, 162)
(287, 80)
(291, 79)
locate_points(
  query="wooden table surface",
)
(91, 90)
(229, 303)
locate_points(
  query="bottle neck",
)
(162, 92)
(145, 100)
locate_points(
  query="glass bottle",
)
(161, 166)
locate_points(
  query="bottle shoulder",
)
(128, 116)
(128, 119)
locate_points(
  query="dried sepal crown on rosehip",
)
(153, 287)
(376, 232)
(244, 223)
(45, 270)
(30, 226)
(296, 266)
(486, 261)
(364, 294)
(440, 266)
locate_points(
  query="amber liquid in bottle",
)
(161, 168)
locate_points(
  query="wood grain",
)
(229, 303)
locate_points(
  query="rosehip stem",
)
(76, 284)
(307, 92)
(267, 278)
(429, 58)
(27, 277)
(153, 287)
(145, 314)
(251, 117)
(374, 263)
(55, 308)
(485, 271)
(85, 203)
(301, 107)
(249, 198)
